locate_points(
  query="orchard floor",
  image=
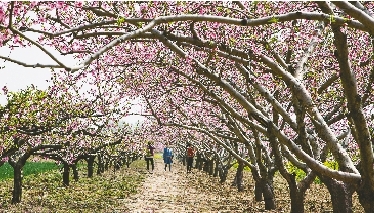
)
(177, 191)
(162, 191)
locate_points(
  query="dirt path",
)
(166, 191)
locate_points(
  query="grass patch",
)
(6, 171)
(102, 193)
(236, 165)
(300, 174)
(158, 156)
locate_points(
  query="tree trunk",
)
(17, 183)
(217, 167)
(268, 192)
(223, 174)
(199, 162)
(341, 195)
(106, 167)
(297, 199)
(264, 187)
(128, 161)
(99, 165)
(75, 172)
(211, 164)
(184, 160)
(238, 180)
(366, 197)
(258, 191)
(65, 174)
(206, 165)
(90, 163)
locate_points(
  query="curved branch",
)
(356, 13)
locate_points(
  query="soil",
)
(179, 191)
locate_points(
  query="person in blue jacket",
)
(168, 156)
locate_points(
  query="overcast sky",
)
(17, 77)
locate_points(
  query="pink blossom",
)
(78, 4)
(33, 3)
(2, 15)
(59, 4)
(5, 90)
(5, 159)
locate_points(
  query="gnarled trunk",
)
(297, 199)
(264, 187)
(341, 194)
(366, 197)
(268, 192)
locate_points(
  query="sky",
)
(16, 77)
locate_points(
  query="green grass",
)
(44, 192)
(246, 168)
(300, 174)
(6, 171)
(158, 156)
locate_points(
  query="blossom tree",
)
(307, 64)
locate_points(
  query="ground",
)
(136, 190)
(178, 191)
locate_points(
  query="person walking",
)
(149, 156)
(168, 156)
(190, 156)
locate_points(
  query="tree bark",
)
(223, 174)
(75, 172)
(90, 165)
(238, 180)
(268, 192)
(341, 195)
(206, 165)
(65, 174)
(366, 197)
(106, 165)
(128, 161)
(297, 199)
(100, 164)
(258, 191)
(216, 169)
(211, 164)
(184, 160)
(17, 183)
(365, 192)
(264, 187)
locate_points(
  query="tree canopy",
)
(266, 82)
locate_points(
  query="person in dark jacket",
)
(168, 156)
(190, 155)
(149, 156)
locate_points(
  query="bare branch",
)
(327, 83)
(31, 65)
